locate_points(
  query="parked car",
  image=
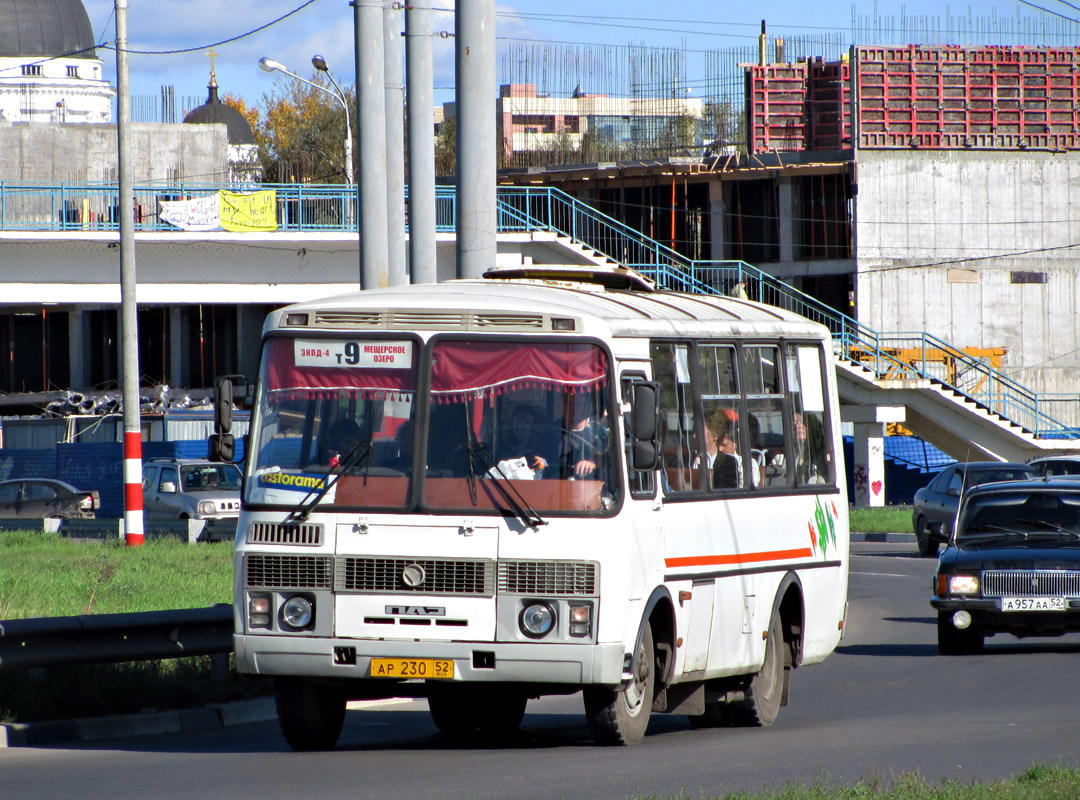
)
(938, 500)
(1011, 566)
(1057, 466)
(38, 498)
(190, 489)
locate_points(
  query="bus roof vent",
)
(350, 319)
(514, 321)
(428, 319)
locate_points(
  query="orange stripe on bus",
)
(738, 558)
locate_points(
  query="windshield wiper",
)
(478, 453)
(352, 458)
(1052, 527)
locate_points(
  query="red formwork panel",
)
(962, 97)
(830, 105)
(776, 107)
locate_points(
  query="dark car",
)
(1057, 466)
(40, 498)
(1011, 566)
(938, 500)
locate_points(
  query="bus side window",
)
(812, 443)
(759, 371)
(678, 435)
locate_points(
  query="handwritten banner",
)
(231, 211)
(256, 211)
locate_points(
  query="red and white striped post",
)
(133, 499)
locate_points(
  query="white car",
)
(190, 489)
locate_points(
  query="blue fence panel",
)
(26, 463)
(95, 465)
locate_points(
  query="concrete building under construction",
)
(915, 188)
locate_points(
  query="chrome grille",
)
(440, 576)
(1030, 583)
(287, 572)
(565, 578)
(270, 533)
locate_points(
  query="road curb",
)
(216, 715)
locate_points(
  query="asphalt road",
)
(884, 705)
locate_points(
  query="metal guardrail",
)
(111, 638)
(323, 207)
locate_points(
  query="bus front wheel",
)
(621, 716)
(311, 714)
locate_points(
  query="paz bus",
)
(545, 481)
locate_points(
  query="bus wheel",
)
(621, 716)
(311, 714)
(500, 713)
(453, 710)
(763, 695)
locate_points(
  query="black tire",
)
(310, 714)
(620, 717)
(453, 709)
(927, 546)
(951, 641)
(501, 713)
(765, 693)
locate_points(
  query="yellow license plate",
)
(412, 668)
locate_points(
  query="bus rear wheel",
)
(310, 714)
(622, 716)
(765, 692)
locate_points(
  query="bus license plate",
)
(412, 668)
(1033, 604)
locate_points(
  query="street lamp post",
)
(269, 65)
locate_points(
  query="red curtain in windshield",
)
(464, 370)
(286, 380)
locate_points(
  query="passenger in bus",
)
(585, 442)
(727, 464)
(341, 437)
(526, 438)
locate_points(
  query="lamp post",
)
(269, 65)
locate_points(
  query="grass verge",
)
(890, 519)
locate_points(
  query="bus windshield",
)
(510, 425)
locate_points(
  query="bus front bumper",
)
(480, 662)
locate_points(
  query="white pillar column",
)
(869, 460)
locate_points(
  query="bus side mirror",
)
(222, 447)
(223, 404)
(645, 423)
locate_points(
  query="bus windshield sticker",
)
(359, 354)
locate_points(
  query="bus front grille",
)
(287, 572)
(1030, 583)
(561, 578)
(271, 533)
(415, 576)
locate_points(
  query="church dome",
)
(45, 28)
(213, 110)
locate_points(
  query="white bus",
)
(540, 482)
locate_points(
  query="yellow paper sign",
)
(256, 211)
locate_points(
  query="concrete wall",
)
(53, 153)
(945, 243)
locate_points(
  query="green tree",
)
(300, 131)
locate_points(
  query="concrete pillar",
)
(786, 210)
(79, 350)
(716, 220)
(178, 370)
(869, 459)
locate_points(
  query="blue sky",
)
(325, 27)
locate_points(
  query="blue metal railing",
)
(321, 207)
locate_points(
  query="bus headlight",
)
(297, 612)
(537, 620)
